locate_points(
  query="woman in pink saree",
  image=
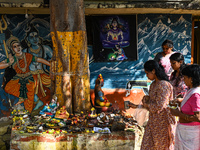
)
(159, 134)
(188, 129)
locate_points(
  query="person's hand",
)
(179, 100)
(173, 102)
(175, 112)
(145, 99)
(11, 60)
(133, 105)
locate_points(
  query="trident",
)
(4, 28)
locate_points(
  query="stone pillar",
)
(70, 62)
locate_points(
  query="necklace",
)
(19, 57)
(35, 50)
(23, 56)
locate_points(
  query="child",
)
(176, 79)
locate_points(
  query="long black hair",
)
(177, 57)
(159, 70)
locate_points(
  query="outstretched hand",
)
(133, 105)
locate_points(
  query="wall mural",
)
(32, 36)
(27, 49)
(152, 30)
(114, 38)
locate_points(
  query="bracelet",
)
(186, 117)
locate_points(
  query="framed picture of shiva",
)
(114, 37)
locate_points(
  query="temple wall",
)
(152, 30)
(116, 75)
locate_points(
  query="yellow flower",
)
(64, 131)
(87, 131)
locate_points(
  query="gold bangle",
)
(186, 117)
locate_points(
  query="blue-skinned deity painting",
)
(25, 55)
(115, 42)
(115, 34)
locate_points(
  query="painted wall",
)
(129, 76)
(19, 27)
(123, 80)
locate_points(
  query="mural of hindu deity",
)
(115, 35)
(152, 29)
(114, 39)
(34, 36)
(39, 71)
(126, 78)
(22, 84)
(24, 61)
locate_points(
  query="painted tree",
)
(70, 62)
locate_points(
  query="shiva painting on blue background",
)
(113, 40)
(33, 34)
(114, 33)
(152, 30)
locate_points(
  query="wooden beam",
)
(22, 10)
(101, 11)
